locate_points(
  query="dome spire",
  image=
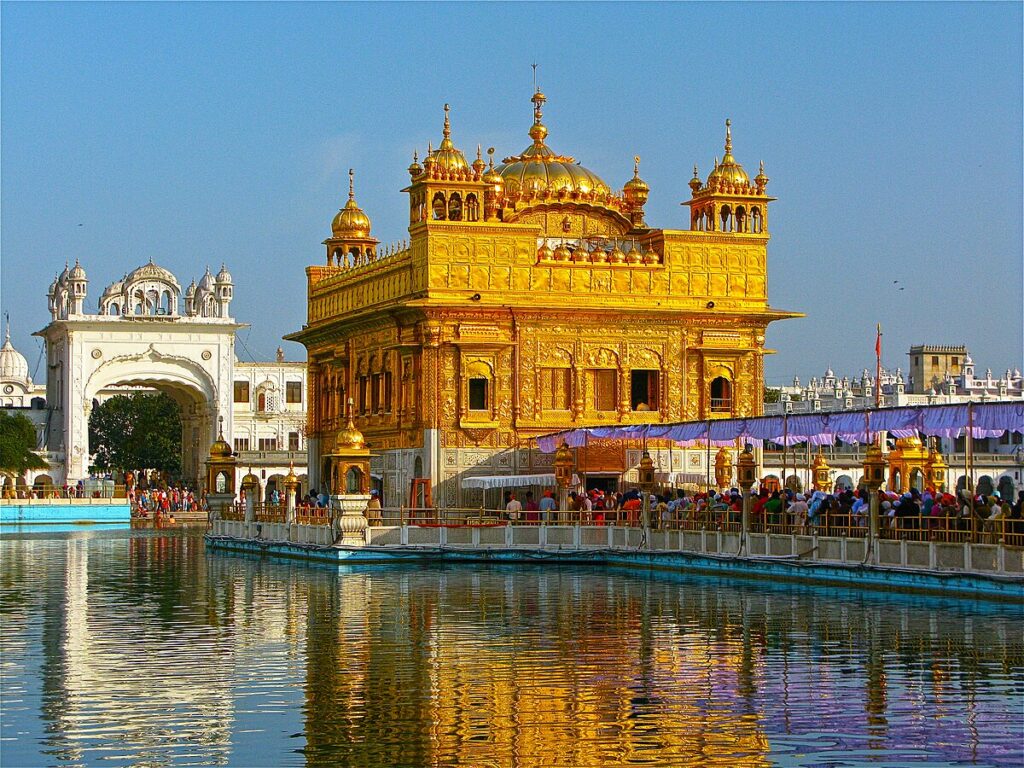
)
(446, 141)
(351, 184)
(728, 136)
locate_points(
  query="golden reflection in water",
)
(491, 685)
(150, 651)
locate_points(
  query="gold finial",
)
(762, 167)
(351, 184)
(447, 123)
(728, 136)
(535, 88)
(478, 155)
(636, 166)
(695, 175)
(415, 156)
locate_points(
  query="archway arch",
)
(186, 383)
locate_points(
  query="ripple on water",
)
(139, 649)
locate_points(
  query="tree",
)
(772, 395)
(17, 443)
(136, 431)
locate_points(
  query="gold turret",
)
(350, 243)
(728, 202)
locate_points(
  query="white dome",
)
(223, 276)
(13, 364)
(207, 283)
(151, 271)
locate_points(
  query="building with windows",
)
(148, 335)
(939, 375)
(533, 296)
(269, 421)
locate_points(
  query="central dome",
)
(150, 271)
(540, 172)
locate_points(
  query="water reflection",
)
(139, 648)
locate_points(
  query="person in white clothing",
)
(513, 507)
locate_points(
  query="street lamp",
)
(563, 475)
(746, 470)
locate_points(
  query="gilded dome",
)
(220, 448)
(348, 437)
(350, 221)
(446, 158)
(540, 172)
(13, 364)
(729, 171)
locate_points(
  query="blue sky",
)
(197, 133)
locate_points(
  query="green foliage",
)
(772, 395)
(17, 439)
(137, 431)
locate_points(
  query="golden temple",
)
(530, 297)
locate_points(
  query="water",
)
(137, 648)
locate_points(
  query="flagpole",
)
(878, 367)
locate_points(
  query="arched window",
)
(114, 309)
(261, 402)
(440, 207)
(455, 207)
(741, 219)
(354, 480)
(167, 303)
(726, 216)
(721, 395)
(472, 207)
(755, 220)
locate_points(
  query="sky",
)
(202, 133)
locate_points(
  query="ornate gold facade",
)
(531, 297)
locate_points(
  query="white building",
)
(140, 340)
(269, 418)
(998, 462)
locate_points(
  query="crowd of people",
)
(162, 503)
(927, 513)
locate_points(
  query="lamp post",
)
(563, 475)
(291, 486)
(746, 469)
(874, 476)
(220, 476)
(723, 468)
(646, 486)
(822, 473)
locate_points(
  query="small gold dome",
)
(544, 253)
(616, 256)
(291, 478)
(415, 169)
(729, 171)
(349, 437)
(636, 189)
(220, 448)
(562, 253)
(350, 221)
(446, 159)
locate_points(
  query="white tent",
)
(511, 481)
